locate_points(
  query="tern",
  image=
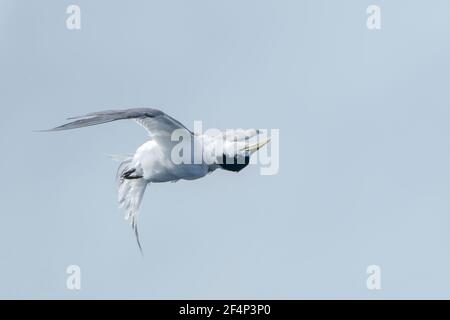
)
(154, 161)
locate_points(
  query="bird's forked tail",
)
(130, 193)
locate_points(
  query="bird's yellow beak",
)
(255, 147)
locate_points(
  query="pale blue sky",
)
(364, 157)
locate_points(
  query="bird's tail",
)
(130, 195)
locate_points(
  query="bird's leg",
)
(129, 174)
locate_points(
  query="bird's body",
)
(158, 160)
(153, 162)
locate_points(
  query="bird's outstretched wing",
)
(157, 123)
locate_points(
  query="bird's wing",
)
(157, 123)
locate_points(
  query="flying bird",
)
(153, 161)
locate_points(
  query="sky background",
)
(364, 149)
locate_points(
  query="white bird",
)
(153, 161)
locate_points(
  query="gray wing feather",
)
(153, 120)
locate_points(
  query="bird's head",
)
(237, 153)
